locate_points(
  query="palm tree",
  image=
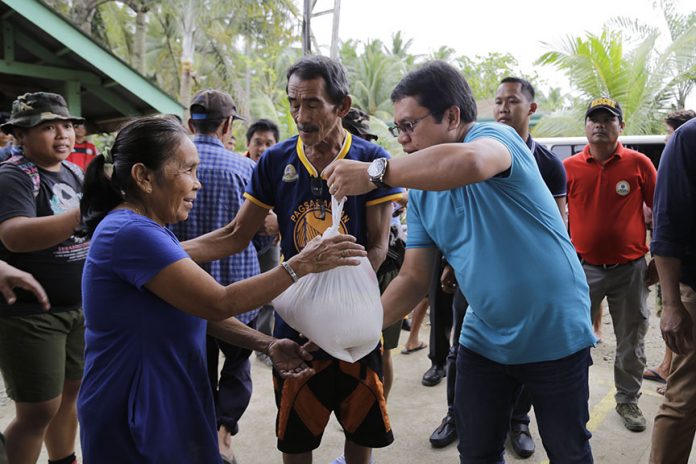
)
(399, 49)
(372, 77)
(599, 65)
(444, 53)
(682, 34)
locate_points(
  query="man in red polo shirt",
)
(607, 186)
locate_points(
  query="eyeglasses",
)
(406, 127)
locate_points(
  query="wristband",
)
(290, 271)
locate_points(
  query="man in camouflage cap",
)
(41, 353)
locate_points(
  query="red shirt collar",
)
(588, 156)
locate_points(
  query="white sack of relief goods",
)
(340, 309)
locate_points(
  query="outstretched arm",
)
(439, 167)
(230, 239)
(184, 285)
(288, 357)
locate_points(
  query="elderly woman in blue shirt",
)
(145, 395)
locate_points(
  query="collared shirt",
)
(224, 176)
(505, 241)
(674, 210)
(605, 204)
(550, 167)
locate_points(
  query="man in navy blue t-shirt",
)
(288, 180)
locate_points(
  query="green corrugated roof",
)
(44, 51)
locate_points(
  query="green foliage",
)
(245, 47)
(372, 76)
(625, 63)
(483, 73)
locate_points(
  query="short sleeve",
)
(142, 249)
(382, 195)
(553, 173)
(261, 189)
(17, 194)
(417, 236)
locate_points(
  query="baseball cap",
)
(604, 103)
(31, 109)
(213, 104)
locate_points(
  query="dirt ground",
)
(415, 411)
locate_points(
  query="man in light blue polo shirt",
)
(478, 196)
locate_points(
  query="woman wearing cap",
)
(41, 353)
(145, 395)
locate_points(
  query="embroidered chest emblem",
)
(623, 188)
(289, 174)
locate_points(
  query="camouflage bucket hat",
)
(31, 109)
(357, 122)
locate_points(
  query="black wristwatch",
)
(377, 171)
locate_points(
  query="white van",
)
(649, 145)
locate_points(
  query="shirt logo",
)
(311, 219)
(64, 198)
(623, 188)
(289, 174)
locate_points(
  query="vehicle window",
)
(562, 151)
(651, 150)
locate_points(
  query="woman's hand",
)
(289, 358)
(323, 254)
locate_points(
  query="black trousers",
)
(440, 317)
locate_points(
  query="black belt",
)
(607, 267)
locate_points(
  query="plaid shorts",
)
(352, 391)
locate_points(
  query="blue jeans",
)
(486, 392)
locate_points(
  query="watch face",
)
(376, 168)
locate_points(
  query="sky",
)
(479, 27)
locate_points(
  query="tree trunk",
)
(246, 108)
(188, 49)
(82, 14)
(140, 36)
